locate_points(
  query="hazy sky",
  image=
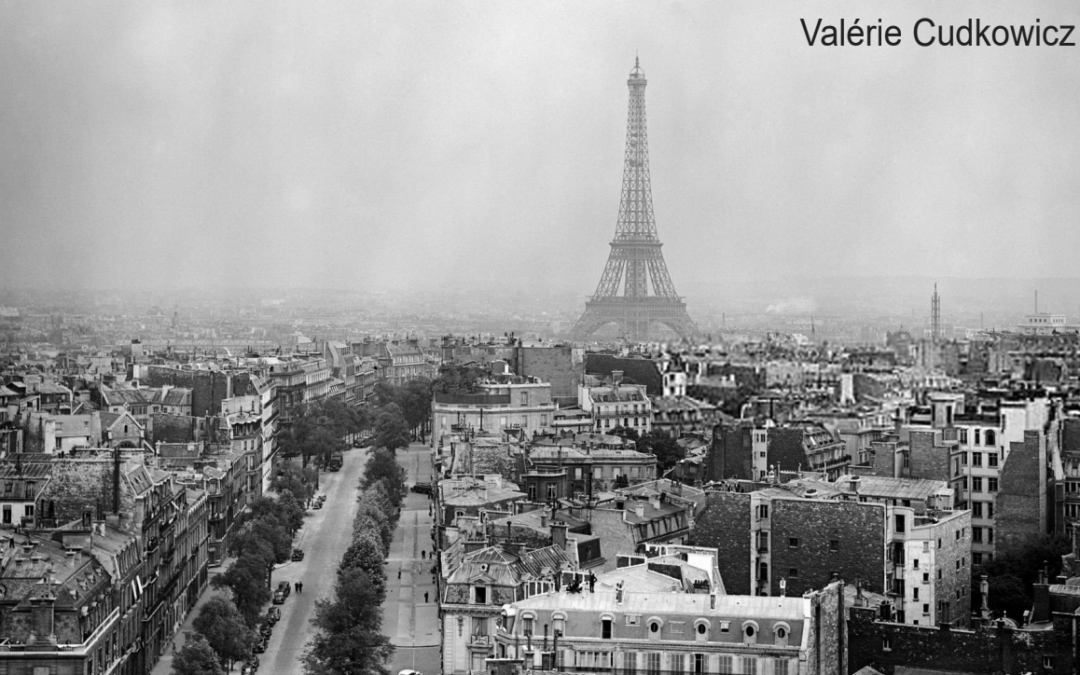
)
(438, 143)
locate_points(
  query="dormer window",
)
(480, 595)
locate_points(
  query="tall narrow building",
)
(635, 290)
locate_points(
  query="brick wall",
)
(927, 459)
(165, 428)
(550, 364)
(827, 651)
(857, 528)
(725, 525)
(884, 646)
(1020, 504)
(80, 484)
(638, 371)
(786, 449)
(729, 455)
(208, 388)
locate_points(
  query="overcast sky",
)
(390, 144)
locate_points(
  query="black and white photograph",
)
(652, 337)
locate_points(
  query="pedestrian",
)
(301, 586)
(425, 597)
(422, 554)
(296, 586)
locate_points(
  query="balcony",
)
(480, 642)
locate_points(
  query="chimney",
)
(853, 483)
(654, 501)
(70, 555)
(616, 377)
(1040, 610)
(639, 509)
(712, 599)
(43, 614)
(558, 534)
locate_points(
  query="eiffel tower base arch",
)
(636, 319)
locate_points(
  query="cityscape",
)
(360, 349)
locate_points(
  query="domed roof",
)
(637, 73)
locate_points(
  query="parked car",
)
(284, 587)
(273, 615)
(317, 505)
(298, 554)
(260, 645)
(279, 598)
(423, 488)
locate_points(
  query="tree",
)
(414, 399)
(383, 466)
(225, 630)
(348, 641)
(247, 579)
(455, 379)
(391, 429)
(255, 535)
(197, 657)
(1013, 573)
(366, 553)
(667, 451)
(298, 481)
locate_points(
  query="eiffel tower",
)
(636, 249)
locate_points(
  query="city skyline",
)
(441, 146)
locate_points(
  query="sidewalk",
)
(164, 665)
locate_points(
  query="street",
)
(409, 619)
(324, 538)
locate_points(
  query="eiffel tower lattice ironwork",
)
(635, 259)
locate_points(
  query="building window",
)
(29, 510)
(834, 544)
(749, 633)
(976, 509)
(899, 518)
(480, 595)
(780, 667)
(992, 485)
(976, 459)
(725, 664)
(7, 514)
(793, 572)
(976, 484)
(886, 645)
(652, 663)
(763, 511)
(678, 663)
(976, 535)
(991, 459)
(629, 660)
(781, 637)
(990, 438)
(654, 628)
(793, 542)
(700, 664)
(749, 665)
(605, 629)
